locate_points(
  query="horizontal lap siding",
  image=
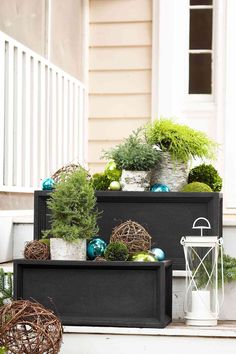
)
(120, 73)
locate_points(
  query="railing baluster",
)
(2, 100)
(35, 123)
(27, 125)
(9, 101)
(59, 122)
(65, 121)
(18, 137)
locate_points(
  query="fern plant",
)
(181, 141)
(134, 154)
(6, 287)
(229, 272)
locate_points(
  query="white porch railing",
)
(42, 115)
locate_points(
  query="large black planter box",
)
(129, 294)
(166, 216)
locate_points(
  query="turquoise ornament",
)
(159, 188)
(96, 248)
(159, 254)
(143, 257)
(48, 184)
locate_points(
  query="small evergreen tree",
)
(72, 205)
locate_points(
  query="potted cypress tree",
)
(178, 144)
(135, 158)
(73, 215)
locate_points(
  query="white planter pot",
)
(201, 314)
(65, 250)
(137, 181)
(173, 174)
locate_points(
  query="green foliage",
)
(116, 251)
(3, 350)
(100, 182)
(72, 204)
(196, 187)
(112, 172)
(6, 287)
(46, 241)
(229, 272)
(206, 174)
(134, 154)
(181, 141)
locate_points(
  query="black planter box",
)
(126, 294)
(166, 216)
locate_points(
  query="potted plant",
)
(179, 144)
(135, 158)
(73, 214)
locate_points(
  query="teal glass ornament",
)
(159, 254)
(96, 248)
(143, 257)
(157, 187)
(48, 184)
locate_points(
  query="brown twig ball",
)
(133, 235)
(37, 250)
(27, 327)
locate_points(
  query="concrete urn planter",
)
(137, 181)
(174, 174)
(65, 250)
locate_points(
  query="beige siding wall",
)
(120, 72)
(27, 22)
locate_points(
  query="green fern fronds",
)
(6, 287)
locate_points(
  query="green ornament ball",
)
(112, 172)
(143, 257)
(114, 186)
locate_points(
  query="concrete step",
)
(175, 338)
(16, 230)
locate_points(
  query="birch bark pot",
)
(174, 174)
(137, 181)
(65, 250)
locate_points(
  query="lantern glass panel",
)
(202, 278)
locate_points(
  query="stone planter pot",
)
(65, 250)
(174, 174)
(137, 181)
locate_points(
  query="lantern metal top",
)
(200, 241)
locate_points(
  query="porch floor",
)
(224, 329)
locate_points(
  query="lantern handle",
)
(201, 227)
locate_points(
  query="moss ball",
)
(116, 251)
(196, 187)
(100, 182)
(206, 174)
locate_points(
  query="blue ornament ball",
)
(96, 248)
(48, 184)
(159, 188)
(159, 254)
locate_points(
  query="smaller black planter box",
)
(126, 294)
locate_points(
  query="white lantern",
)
(201, 304)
